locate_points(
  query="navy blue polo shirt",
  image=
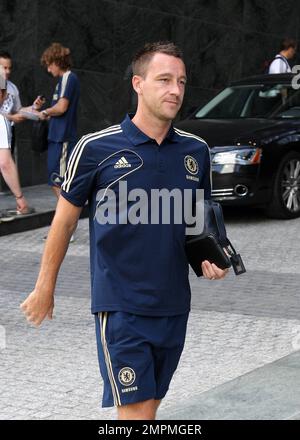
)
(136, 268)
(63, 128)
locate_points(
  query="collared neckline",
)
(136, 136)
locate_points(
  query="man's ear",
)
(137, 84)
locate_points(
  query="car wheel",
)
(286, 190)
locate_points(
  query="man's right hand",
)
(40, 303)
(37, 306)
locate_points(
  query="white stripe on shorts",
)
(103, 320)
(63, 159)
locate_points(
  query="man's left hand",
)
(43, 116)
(213, 272)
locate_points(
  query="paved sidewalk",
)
(270, 392)
(243, 331)
(39, 197)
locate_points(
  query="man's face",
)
(54, 70)
(7, 66)
(291, 52)
(161, 90)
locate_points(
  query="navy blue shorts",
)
(58, 156)
(138, 355)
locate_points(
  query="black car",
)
(253, 130)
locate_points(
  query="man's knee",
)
(145, 410)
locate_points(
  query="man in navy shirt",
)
(139, 270)
(62, 113)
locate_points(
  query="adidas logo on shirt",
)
(122, 163)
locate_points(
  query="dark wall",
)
(221, 39)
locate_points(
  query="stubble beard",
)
(167, 116)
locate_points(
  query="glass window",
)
(256, 101)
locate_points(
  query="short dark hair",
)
(287, 43)
(58, 54)
(143, 56)
(5, 54)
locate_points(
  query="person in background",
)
(280, 64)
(62, 113)
(12, 103)
(8, 167)
(11, 107)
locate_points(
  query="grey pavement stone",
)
(295, 416)
(268, 393)
(257, 292)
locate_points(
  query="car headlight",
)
(242, 156)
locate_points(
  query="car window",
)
(291, 106)
(258, 101)
(227, 104)
(264, 102)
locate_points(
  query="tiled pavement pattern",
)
(236, 325)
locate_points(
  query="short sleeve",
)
(5, 136)
(69, 86)
(80, 174)
(278, 66)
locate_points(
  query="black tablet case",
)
(205, 247)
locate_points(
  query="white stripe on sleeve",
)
(64, 83)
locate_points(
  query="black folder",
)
(205, 247)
